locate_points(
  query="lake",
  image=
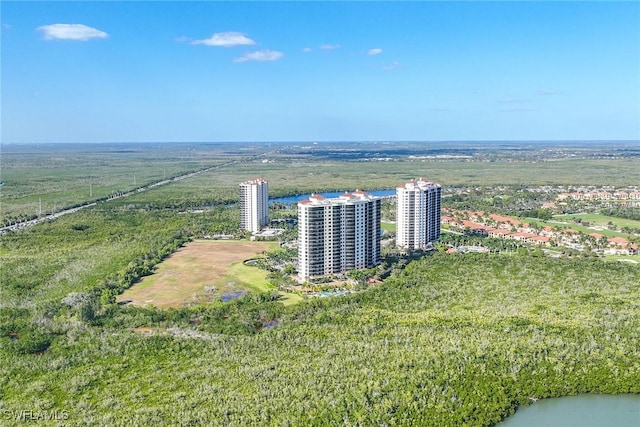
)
(585, 410)
(296, 199)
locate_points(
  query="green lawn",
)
(255, 279)
(600, 220)
(388, 226)
(559, 222)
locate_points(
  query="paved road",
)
(49, 217)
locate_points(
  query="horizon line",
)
(384, 141)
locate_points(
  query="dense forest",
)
(450, 340)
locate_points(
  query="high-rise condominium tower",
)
(338, 235)
(254, 204)
(418, 214)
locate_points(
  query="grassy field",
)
(388, 226)
(599, 220)
(288, 175)
(563, 222)
(49, 177)
(181, 279)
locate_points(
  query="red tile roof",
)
(619, 240)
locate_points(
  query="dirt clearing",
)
(200, 272)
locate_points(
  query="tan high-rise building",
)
(418, 214)
(337, 235)
(254, 204)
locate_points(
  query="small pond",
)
(585, 410)
(230, 296)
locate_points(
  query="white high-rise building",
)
(418, 214)
(254, 204)
(338, 235)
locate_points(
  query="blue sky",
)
(319, 71)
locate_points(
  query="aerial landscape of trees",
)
(445, 339)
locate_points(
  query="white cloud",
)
(329, 46)
(393, 66)
(515, 110)
(226, 39)
(260, 55)
(307, 49)
(71, 32)
(375, 51)
(548, 92)
(511, 100)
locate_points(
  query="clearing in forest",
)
(201, 272)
